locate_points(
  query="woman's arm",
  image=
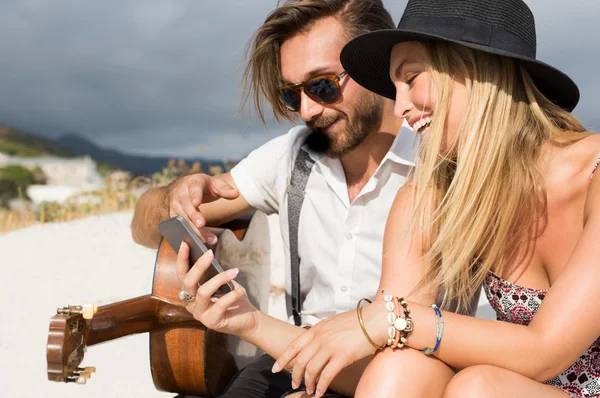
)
(233, 313)
(271, 335)
(566, 324)
(336, 342)
(403, 273)
(403, 270)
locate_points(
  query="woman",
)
(502, 196)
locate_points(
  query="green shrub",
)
(20, 175)
(14, 181)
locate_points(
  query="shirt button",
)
(343, 288)
(349, 236)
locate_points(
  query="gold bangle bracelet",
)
(362, 325)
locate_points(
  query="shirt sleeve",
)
(262, 177)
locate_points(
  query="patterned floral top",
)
(518, 305)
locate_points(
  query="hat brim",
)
(366, 58)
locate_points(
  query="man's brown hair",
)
(262, 76)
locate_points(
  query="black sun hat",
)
(503, 27)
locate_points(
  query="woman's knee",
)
(474, 381)
(407, 372)
(378, 375)
(297, 395)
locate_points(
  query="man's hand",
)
(188, 197)
(185, 195)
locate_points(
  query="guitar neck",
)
(138, 315)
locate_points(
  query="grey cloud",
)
(134, 74)
(158, 76)
(567, 34)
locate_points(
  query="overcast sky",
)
(162, 76)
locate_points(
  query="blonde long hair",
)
(480, 198)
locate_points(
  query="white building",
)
(66, 176)
(60, 171)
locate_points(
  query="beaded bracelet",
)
(399, 326)
(391, 318)
(397, 313)
(439, 326)
(406, 326)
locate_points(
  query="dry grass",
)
(104, 201)
(115, 196)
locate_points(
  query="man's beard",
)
(367, 115)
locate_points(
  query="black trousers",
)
(257, 381)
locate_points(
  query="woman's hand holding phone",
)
(232, 313)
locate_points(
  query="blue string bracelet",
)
(439, 326)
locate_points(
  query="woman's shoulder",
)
(576, 159)
(570, 167)
(594, 142)
(409, 199)
(586, 152)
(409, 196)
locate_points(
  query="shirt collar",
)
(405, 146)
(403, 149)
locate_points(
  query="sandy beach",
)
(48, 266)
(90, 260)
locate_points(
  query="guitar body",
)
(185, 357)
(192, 360)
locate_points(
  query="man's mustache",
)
(323, 122)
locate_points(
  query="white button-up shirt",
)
(340, 243)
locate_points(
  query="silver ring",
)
(185, 296)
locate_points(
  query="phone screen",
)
(176, 230)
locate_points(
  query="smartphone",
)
(176, 230)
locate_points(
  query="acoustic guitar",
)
(185, 356)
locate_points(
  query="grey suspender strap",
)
(295, 191)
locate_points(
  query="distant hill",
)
(15, 142)
(137, 164)
(18, 143)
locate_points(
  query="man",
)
(361, 158)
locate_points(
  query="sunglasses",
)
(321, 89)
